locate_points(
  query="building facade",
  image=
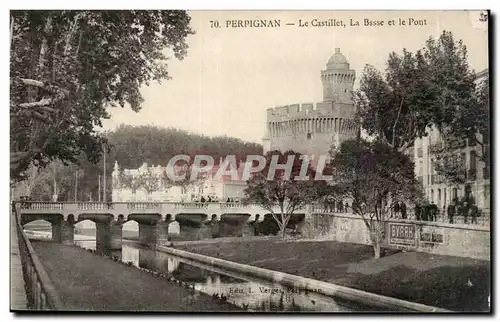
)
(206, 186)
(476, 171)
(314, 128)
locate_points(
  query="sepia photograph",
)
(247, 161)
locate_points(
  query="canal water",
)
(247, 292)
(241, 290)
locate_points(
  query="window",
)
(472, 160)
(420, 152)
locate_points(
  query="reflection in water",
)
(243, 291)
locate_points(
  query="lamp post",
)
(76, 185)
(105, 151)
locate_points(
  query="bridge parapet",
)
(41, 205)
(138, 206)
(94, 206)
(147, 208)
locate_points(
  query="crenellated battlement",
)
(315, 127)
(309, 110)
(293, 110)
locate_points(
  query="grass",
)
(89, 282)
(454, 283)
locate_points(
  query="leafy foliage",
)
(283, 194)
(66, 67)
(131, 146)
(134, 145)
(433, 86)
(471, 126)
(372, 174)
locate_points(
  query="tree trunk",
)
(283, 233)
(375, 237)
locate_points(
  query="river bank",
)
(453, 283)
(88, 282)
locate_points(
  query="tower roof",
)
(337, 61)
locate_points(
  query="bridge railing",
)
(40, 292)
(232, 205)
(95, 205)
(191, 205)
(41, 205)
(144, 206)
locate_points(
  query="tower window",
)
(309, 136)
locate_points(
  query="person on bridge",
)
(403, 210)
(396, 209)
(451, 212)
(418, 212)
(474, 213)
(341, 206)
(465, 212)
(202, 199)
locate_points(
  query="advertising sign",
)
(402, 234)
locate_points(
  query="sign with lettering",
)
(432, 235)
(402, 234)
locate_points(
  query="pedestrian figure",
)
(426, 212)
(202, 199)
(418, 212)
(451, 213)
(331, 205)
(396, 209)
(341, 206)
(325, 205)
(433, 211)
(474, 212)
(228, 200)
(465, 212)
(403, 210)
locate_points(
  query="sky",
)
(231, 76)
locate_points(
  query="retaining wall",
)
(471, 241)
(342, 292)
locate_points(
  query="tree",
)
(280, 194)
(128, 181)
(67, 67)
(373, 175)
(419, 90)
(470, 125)
(135, 145)
(149, 181)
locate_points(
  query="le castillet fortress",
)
(310, 128)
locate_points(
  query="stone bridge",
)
(156, 220)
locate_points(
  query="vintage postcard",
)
(250, 161)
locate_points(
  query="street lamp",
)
(105, 151)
